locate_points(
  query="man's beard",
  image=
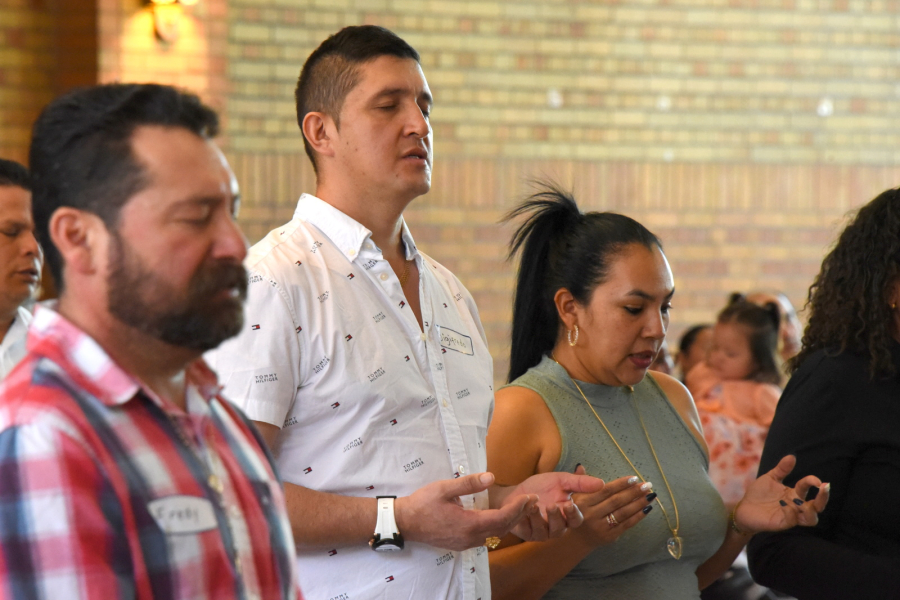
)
(194, 319)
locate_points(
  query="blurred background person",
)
(663, 362)
(692, 348)
(736, 393)
(20, 262)
(789, 329)
(839, 416)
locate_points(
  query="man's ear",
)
(80, 238)
(320, 132)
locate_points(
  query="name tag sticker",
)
(183, 514)
(454, 340)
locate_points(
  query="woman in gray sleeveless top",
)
(591, 310)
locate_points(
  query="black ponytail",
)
(559, 247)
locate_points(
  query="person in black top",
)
(840, 416)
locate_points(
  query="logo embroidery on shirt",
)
(348, 337)
(299, 329)
(428, 401)
(389, 578)
(370, 488)
(256, 278)
(353, 444)
(441, 560)
(351, 276)
(369, 264)
(254, 327)
(335, 405)
(268, 378)
(462, 394)
(379, 317)
(290, 421)
(402, 304)
(298, 263)
(321, 364)
(393, 422)
(413, 465)
(307, 470)
(406, 358)
(332, 553)
(376, 374)
(316, 245)
(324, 297)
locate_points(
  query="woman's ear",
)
(567, 307)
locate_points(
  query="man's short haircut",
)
(12, 174)
(332, 70)
(81, 153)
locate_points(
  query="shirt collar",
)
(347, 234)
(53, 336)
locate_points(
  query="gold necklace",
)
(405, 274)
(674, 544)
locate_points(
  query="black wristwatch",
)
(387, 537)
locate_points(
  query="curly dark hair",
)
(849, 301)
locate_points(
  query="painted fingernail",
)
(576, 467)
(632, 480)
(782, 502)
(651, 496)
(646, 510)
(646, 486)
(798, 501)
(826, 487)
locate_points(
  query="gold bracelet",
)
(734, 520)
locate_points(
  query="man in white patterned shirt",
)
(363, 361)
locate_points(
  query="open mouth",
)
(643, 360)
(418, 154)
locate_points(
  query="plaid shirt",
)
(102, 496)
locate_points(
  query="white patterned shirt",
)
(368, 403)
(12, 347)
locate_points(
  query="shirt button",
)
(444, 402)
(368, 246)
(351, 252)
(237, 564)
(383, 276)
(423, 337)
(462, 470)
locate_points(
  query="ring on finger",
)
(611, 520)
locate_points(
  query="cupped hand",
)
(434, 515)
(554, 499)
(769, 505)
(625, 498)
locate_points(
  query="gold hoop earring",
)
(569, 336)
(894, 306)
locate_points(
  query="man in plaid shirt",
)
(123, 474)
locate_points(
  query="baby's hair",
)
(761, 324)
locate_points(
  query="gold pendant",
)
(674, 547)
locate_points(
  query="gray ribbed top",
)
(637, 566)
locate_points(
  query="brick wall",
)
(46, 47)
(197, 60)
(740, 132)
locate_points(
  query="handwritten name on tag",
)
(454, 340)
(183, 514)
